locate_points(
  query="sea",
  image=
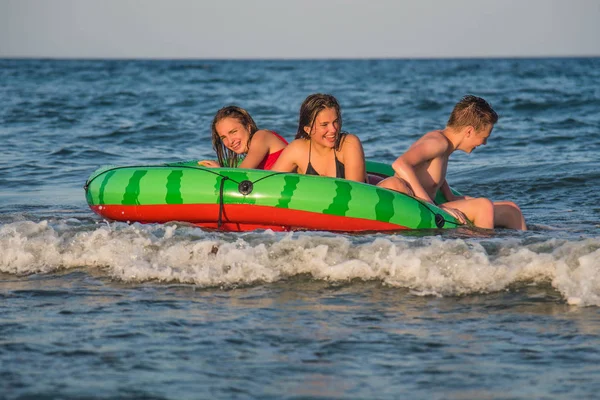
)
(97, 309)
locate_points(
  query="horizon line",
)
(423, 58)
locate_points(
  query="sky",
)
(292, 29)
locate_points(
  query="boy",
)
(421, 170)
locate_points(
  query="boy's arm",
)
(447, 192)
(425, 149)
(259, 148)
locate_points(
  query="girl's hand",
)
(209, 164)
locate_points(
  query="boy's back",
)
(430, 173)
(421, 170)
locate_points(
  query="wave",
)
(182, 254)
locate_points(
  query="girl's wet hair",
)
(226, 157)
(474, 111)
(313, 105)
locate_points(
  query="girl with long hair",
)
(235, 138)
(321, 147)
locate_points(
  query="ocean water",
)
(98, 309)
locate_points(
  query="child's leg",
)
(508, 215)
(479, 211)
(397, 184)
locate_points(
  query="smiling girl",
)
(320, 147)
(235, 134)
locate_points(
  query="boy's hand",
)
(209, 164)
(459, 215)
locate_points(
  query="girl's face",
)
(325, 129)
(233, 134)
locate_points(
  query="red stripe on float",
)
(241, 217)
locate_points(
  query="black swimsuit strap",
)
(309, 168)
(340, 169)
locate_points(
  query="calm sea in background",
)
(98, 309)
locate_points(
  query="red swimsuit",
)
(269, 160)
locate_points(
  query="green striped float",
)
(236, 199)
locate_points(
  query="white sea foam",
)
(427, 266)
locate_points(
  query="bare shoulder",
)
(297, 146)
(262, 134)
(436, 136)
(299, 143)
(351, 141)
(293, 155)
(435, 139)
(351, 138)
(267, 139)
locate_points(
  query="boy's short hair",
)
(474, 111)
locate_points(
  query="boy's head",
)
(472, 111)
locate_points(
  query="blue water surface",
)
(97, 309)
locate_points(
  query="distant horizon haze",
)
(308, 29)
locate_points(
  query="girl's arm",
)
(259, 149)
(288, 160)
(209, 163)
(354, 159)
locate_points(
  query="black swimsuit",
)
(340, 169)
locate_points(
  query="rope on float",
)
(220, 220)
(439, 219)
